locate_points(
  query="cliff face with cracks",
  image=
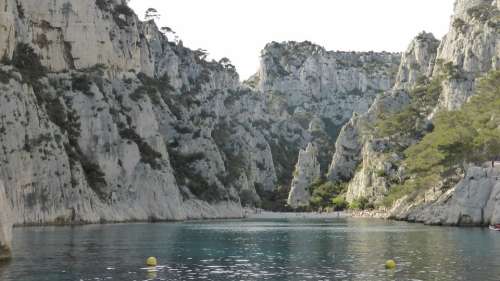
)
(103, 119)
(5, 225)
(475, 200)
(372, 163)
(359, 146)
(468, 51)
(356, 141)
(306, 172)
(120, 124)
(321, 89)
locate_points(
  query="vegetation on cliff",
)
(468, 135)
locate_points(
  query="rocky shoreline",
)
(122, 125)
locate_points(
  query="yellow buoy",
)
(151, 261)
(390, 264)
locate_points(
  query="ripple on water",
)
(255, 250)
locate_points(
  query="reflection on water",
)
(341, 249)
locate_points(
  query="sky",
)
(239, 29)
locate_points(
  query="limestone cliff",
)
(370, 159)
(357, 143)
(475, 200)
(5, 225)
(306, 172)
(468, 50)
(103, 119)
(321, 89)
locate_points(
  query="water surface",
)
(295, 249)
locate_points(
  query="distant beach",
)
(290, 215)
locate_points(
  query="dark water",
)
(255, 250)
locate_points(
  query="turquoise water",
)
(342, 249)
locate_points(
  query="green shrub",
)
(424, 98)
(467, 135)
(5, 77)
(381, 173)
(104, 5)
(248, 198)
(361, 203)
(453, 72)
(274, 200)
(234, 160)
(339, 203)
(148, 154)
(482, 12)
(122, 9)
(28, 63)
(82, 83)
(285, 155)
(459, 24)
(185, 174)
(155, 88)
(323, 192)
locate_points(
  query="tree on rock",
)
(152, 14)
(226, 63)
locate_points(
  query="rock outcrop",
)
(475, 200)
(306, 172)
(372, 164)
(103, 119)
(5, 225)
(322, 89)
(469, 50)
(357, 145)
(329, 84)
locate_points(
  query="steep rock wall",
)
(356, 140)
(115, 123)
(306, 172)
(5, 225)
(475, 200)
(466, 53)
(322, 89)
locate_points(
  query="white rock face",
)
(307, 171)
(355, 142)
(7, 34)
(78, 34)
(326, 84)
(417, 62)
(370, 181)
(467, 52)
(124, 125)
(322, 89)
(5, 225)
(473, 201)
(470, 48)
(106, 143)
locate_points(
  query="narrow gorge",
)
(103, 119)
